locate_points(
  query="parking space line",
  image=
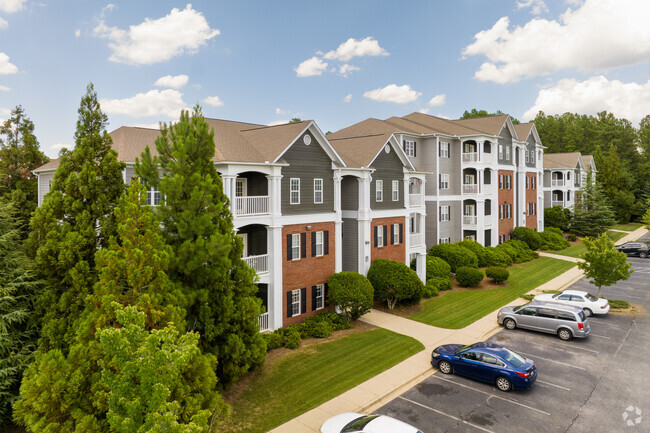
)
(552, 384)
(492, 395)
(552, 360)
(600, 336)
(580, 349)
(445, 414)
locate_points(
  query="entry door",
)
(241, 187)
(469, 179)
(470, 210)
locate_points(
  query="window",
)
(507, 153)
(444, 181)
(527, 157)
(445, 241)
(564, 298)
(527, 312)
(379, 190)
(319, 244)
(532, 157)
(565, 315)
(471, 356)
(534, 182)
(395, 232)
(500, 181)
(295, 302)
(489, 359)
(379, 230)
(241, 187)
(501, 151)
(153, 197)
(295, 246)
(502, 239)
(568, 196)
(527, 182)
(294, 194)
(395, 190)
(508, 181)
(568, 176)
(508, 211)
(444, 213)
(500, 211)
(319, 296)
(444, 149)
(534, 208)
(409, 147)
(318, 191)
(546, 312)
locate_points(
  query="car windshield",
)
(515, 309)
(460, 349)
(513, 358)
(358, 423)
(591, 297)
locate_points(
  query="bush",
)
(553, 230)
(553, 241)
(273, 340)
(572, 238)
(497, 257)
(476, 248)
(352, 292)
(290, 337)
(530, 236)
(518, 251)
(497, 274)
(557, 216)
(455, 255)
(338, 321)
(429, 290)
(438, 284)
(394, 282)
(436, 267)
(468, 277)
(315, 327)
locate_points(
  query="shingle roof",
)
(523, 130)
(561, 160)
(588, 160)
(443, 126)
(51, 165)
(491, 125)
(358, 144)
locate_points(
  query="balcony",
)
(470, 188)
(469, 220)
(557, 182)
(263, 320)
(557, 203)
(415, 239)
(415, 200)
(470, 157)
(252, 205)
(259, 264)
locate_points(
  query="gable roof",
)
(562, 160)
(443, 126)
(523, 130)
(358, 144)
(491, 125)
(589, 162)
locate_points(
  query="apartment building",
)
(564, 175)
(482, 174)
(303, 210)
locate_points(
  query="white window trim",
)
(444, 149)
(295, 294)
(292, 191)
(395, 194)
(395, 234)
(380, 236)
(409, 148)
(379, 190)
(444, 181)
(151, 194)
(320, 287)
(319, 190)
(444, 213)
(320, 244)
(507, 153)
(444, 241)
(501, 151)
(295, 243)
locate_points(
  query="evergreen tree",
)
(74, 221)
(19, 155)
(197, 223)
(18, 328)
(592, 214)
(484, 113)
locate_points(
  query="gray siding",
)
(505, 139)
(350, 193)
(307, 163)
(44, 180)
(452, 227)
(547, 199)
(350, 232)
(451, 166)
(547, 178)
(388, 168)
(431, 226)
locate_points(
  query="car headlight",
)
(435, 355)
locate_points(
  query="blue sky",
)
(337, 62)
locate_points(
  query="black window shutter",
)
(440, 213)
(392, 233)
(313, 244)
(303, 300)
(326, 242)
(376, 240)
(289, 299)
(289, 248)
(401, 231)
(385, 234)
(303, 245)
(415, 148)
(313, 298)
(439, 149)
(325, 292)
(404, 145)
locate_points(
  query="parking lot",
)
(598, 384)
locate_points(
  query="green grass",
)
(456, 310)
(577, 250)
(312, 375)
(627, 227)
(618, 304)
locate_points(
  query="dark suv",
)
(634, 249)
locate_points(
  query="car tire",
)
(445, 367)
(509, 324)
(503, 384)
(564, 334)
(643, 254)
(587, 312)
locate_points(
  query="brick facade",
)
(389, 251)
(506, 197)
(531, 197)
(308, 271)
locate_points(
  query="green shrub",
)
(530, 236)
(436, 267)
(429, 290)
(572, 238)
(394, 282)
(553, 241)
(440, 284)
(315, 327)
(468, 277)
(290, 336)
(351, 292)
(557, 216)
(518, 251)
(273, 340)
(337, 321)
(455, 255)
(497, 257)
(476, 248)
(497, 274)
(553, 230)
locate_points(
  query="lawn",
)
(627, 227)
(576, 250)
(456, 310)
(312, 375)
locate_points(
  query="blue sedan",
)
(486, 362)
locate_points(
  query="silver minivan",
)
(563, 320)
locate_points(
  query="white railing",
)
(258, 263)
(470, 188)
(557, 182)
(557, 203)
(252, 205)
(264, 322)
(415, 199)
(470, 157)
(415, 239)
(469, 220)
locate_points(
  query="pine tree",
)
(592, 215)
(197, 222)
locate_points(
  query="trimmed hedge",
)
(468, 277)
(437, 285)
(394, 282)
(318, 326)
(497, 274)
(351, 292)
(455, 255)
(551, 240)
(497, 257)
(476, 248)
(436, 267)
(530, 236)
(572, 238)
(517, 250)
(553, 230)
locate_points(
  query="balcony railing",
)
(415, 199)
(415, 239)
(252, 205)
(557, 203)
(470, 188)
(264, 322)
(469, 220)
(557, 182)
(258, 263)
(470, 157)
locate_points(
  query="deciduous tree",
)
(603, 263)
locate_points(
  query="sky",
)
(334, 61)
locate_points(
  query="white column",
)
(229, 182)
(275, 195)
(421, 266)
(338, 225)
(275, 292)
(480, 222)
(407, 193)
(364, 232)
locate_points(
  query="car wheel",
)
(564, 334)
(444, 367)
(643, 254)
(509, 324)
(587, 312)
(503, 384)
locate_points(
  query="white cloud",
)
(10, 6)
(424, 110)
(277, 122)
(148, 125)
(356, 48)
(214, 101)
(348, 98)
(173, 81)
(280, 111)
(6, 67)
(393, 93)
(158, 40)
(437, 101)
(310, 67)
(627, 100)
(536, 6)
(3, 23)
(598, 35)
(346, 69)
(4, 88)
(5, 111)
(60, 146)
(166, 102)
(77, 33)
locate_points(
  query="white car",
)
(589, 303)
(351, 422)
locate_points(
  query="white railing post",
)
(259, 264)
(263, 320)
(252, 205)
